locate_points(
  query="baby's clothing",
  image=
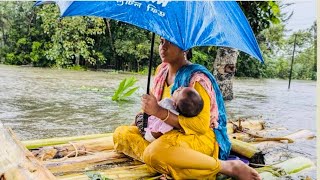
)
(157, 125)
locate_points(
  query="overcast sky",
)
(304, 14)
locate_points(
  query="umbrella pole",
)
(150, 62)
(145, 116)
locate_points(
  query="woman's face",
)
(169, 52)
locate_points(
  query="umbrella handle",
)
(145, 116)
(150, 62)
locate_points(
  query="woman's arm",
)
(194, 125)
(151, 107)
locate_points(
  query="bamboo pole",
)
(301, 134)
(287, 167)
(16, 162)
(243, 148)
(32, 144)
(230, 128)
(247, 150)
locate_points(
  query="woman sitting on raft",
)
(192, 150)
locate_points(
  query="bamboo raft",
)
(93, 157)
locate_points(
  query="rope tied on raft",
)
(238, 127)
(77, 150)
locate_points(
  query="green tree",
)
(72, 38)
(304, 62)
(36, 35)
(15, 23)
(261, 16)
(132, 46)
(278, 51)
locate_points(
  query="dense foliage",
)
(37, 36)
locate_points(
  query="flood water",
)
(43, 103)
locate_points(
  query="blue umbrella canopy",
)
(185, 23)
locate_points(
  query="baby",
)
(185, 101)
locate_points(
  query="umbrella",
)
(187, 24)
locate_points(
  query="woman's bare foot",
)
(240, 170)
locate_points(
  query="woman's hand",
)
(149, 104)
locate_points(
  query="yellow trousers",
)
(180, 162)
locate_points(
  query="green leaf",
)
(130, 82)
(96, 176)
(129, 93)
(122, 91)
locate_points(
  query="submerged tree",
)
(260, 14)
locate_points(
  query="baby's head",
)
(187, 101)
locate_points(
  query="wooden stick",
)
(273, 139)
(301, 134)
